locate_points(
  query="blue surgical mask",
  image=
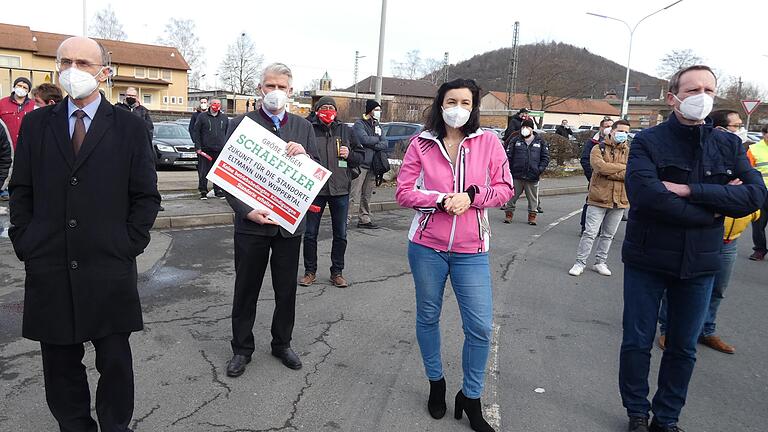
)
(620, 137)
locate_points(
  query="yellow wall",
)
(177, 87)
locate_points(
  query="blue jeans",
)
(688, 300)
(728, 254)
(339, 206)
(471, 281)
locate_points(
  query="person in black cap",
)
(338, 155)
(514, 123)
(367, 133)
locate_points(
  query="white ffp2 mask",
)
(78, 84)
(456, 117)
(696, 107)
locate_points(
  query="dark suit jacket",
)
(78, 223)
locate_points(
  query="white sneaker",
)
(576, 270)
(602, 268)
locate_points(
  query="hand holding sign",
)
(261, 217)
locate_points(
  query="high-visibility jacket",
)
(758, 156)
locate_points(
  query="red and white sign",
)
(254, 168)
(750, 105)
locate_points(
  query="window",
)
(140, 72)
(147, 99)
(10, 61)
(152, 73)
(165, 74)
(181, 100)
(173, 100)
(165, 100)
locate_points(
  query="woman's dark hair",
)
(434, 121)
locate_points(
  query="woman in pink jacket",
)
(451, 173)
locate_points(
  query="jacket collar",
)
(266, 117)
(428, 135)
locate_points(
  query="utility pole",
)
(512, 66)
(85, 21)
(380, 66)
(357, 58)
(738, 91)
(445, 67)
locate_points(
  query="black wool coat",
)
(78, 222)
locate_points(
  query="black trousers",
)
(252, 254)
(758, 230)
(203, 168)
(66, 385)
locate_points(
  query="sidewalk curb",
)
(214, 219)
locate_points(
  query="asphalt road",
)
(362, 369)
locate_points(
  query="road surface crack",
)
(146, 416)
(215, 375)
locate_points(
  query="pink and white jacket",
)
(427, 175)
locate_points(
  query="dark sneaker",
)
(757, 256)
(638, 424)
(308, 279)
(655, 427)
(338, 281)
(203, 195)
(369, 225)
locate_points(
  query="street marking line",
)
(491, 410)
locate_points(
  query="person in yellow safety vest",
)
(758, 156)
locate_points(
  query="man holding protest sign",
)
(257, 235)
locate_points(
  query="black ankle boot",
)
(436, 403)
(474, 411)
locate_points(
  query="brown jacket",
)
(606, 188)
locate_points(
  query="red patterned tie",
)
(79, 134)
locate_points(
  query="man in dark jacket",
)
(5, 156)
(257, 236)
(132, 104)
(209, 135)
(367, 133)
(564, 130)
(334, 143)
(528, 156)
(201, 108)
(78, 224)
(514, 124)
(682, 177)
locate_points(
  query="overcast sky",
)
(315, 36)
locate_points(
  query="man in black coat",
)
(337, 153)
(257, 236)
(367, 133)
(132, 104)
(209, 135)
(83, 199)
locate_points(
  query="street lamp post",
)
(625, 98)
(357, 60)
(380, 66)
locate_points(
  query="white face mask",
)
(456, 117)
(78, 84)
(20, 92)
(696, 107)
(742, 134)
(607, 131)
(203, 106)
(526, 132)
(376, 114)
(275, 100)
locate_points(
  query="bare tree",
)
(433, 70)
(239, 72)
(182, 35)
(411, 68)
(313, 85)
(675, 60)
(736, 90)
(105, 25)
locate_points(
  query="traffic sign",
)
(750, 105)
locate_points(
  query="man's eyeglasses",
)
(736, 126)
(65, 63)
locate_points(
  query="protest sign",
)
(255, 169)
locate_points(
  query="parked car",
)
(498, 131)
(588, 127)
(173, 145)
(398, 136)
(753, 137)
(183, 121)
